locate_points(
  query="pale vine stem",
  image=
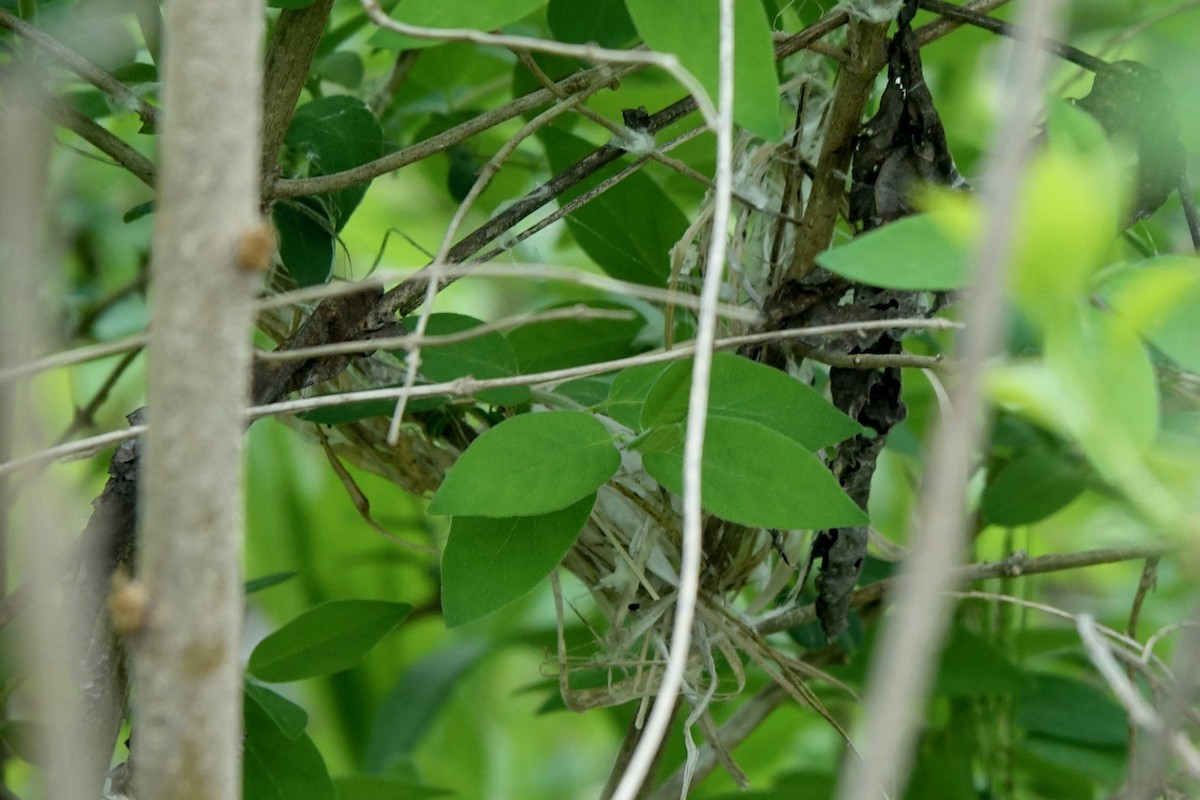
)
(899, 677)
(693, 447)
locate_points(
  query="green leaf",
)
(334, 134)
(605, 22)
(1160, 299)
(376, 787)
(543, 346)
(481, 15)
(587, 392)
(486, 356)
(744, 389)
(688, 28)
(1072, 711)
(328, 638)
(629, 391)
(341, 67)
(276, 766)
(911, 253)
(630, 229)
(306, 241)
(289, 3)
(489, 562)
(1031, 488)
(960, 675)
(267, 581)
(754, 475)
(290, 718)
(350, 412)
(412, 705)
(529, 465)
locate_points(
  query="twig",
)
(93, 74)
(697, 419)
(1147, 582)
(900, 674)
(1014, 566)
(86, 416)
(100, 138)
(383, 98)
(69, 357)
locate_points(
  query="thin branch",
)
(900, 675)
(100, 138)
(1016, 565)
(69, 357)
(697, 418)
(93, 74)
(383, 98)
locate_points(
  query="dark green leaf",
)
(451, 14)
(343, 68)
(688, 28)
(630, 229)
(306, 241)
(744, 389)
(375, 787)
(411, 707)
(267, 581)
(543, 346)
(328, 638)
(961, 676)
(138, 211)
(605, 22)
(910, 253)
(1031, 488)
(350, 412)
(1072, 711)
(136, 72)
(288, 3)
(290, 718)
(588, 392)
(754, 476)
(334, 134)
(489, 562)
(483, 357)
(528, 465)
(279, 767)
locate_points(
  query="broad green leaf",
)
(1073, 711)
(334, 134)
(290, 718)
(630, 229)
(1160, 299)
(910, 253)
(960, 675)
(491, 562)
(276, 766)
(528, 465)
(688, 28)
(412, 705)
(744, 389)
(587, 392)
(341, 67)
(754, 475)
(376, 787)
(629, 390)
(327, 638)
(267, 581)
(605, 22)
(1031, 488)
(483, 357)
(350, 412)
(306, 242)
(480, 15)
(543, 346)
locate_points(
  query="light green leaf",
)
(755, 476)
(290, 718)
(489, 563)
(744, 389)
(911, 253)
(688, 28)
(480, 15)
(327, 638)
(276, 766)
(1160, 299)
(483, 357)
(630, 229)
(629, 390)
(528, 465)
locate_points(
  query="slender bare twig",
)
(968, 16)
(100, 138)
(1146, 582)
(69, 357)
(900, 673)
(405, 60)
(697, 418)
